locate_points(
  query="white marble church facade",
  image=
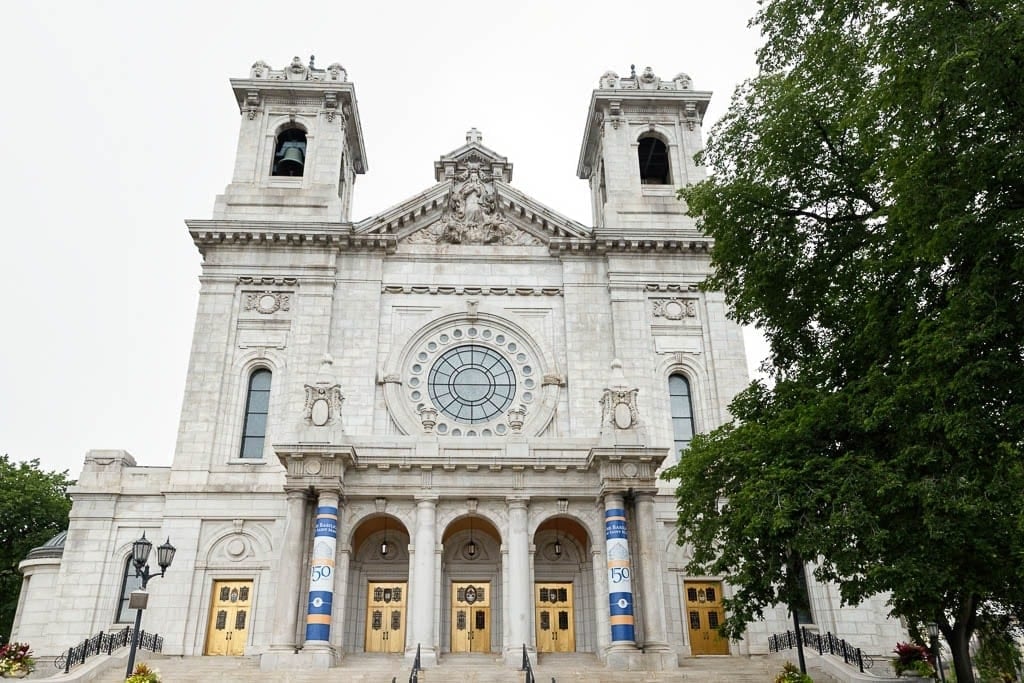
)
(438, 427)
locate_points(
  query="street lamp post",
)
(933, 633)
(139, 599)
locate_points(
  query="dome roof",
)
(52, 548)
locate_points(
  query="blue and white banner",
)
(620, 585)
(321, 578)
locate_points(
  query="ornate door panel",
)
(471, 617)
(230, 611)
(704, 614)
(555, 628)
(385, 617)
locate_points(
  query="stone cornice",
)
(629, 244)
(208, 233)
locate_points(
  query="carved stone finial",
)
(473, 135)
(323, 398)
(632, 70)
(618, 376)
(312, 58)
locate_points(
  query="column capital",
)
(517, 502)
(424, 500)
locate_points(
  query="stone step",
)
(576, 668)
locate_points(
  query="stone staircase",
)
(364, 668)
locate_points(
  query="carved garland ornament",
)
(675, 308)
(268, 302)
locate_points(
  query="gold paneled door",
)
(704, 613)
(385, 617)
(229, 618)
(471, 617)
(555, 630)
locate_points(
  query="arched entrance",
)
(471, 586)
(563, 592)
(378, 584)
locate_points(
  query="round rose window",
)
(471, 384)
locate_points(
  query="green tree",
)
(867, 206)
(34, 508)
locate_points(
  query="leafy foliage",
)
(791, 674)
(34, 508)
(867, 207)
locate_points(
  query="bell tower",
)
(638, 146)
(300, 145)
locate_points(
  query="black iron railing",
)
(825, 643)
(414, 675)
(106, 643)
(527, 667)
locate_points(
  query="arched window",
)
(653, 155)
(129, 583)
(290, 152)
(682, 412)
(256, 406)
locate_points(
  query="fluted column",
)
(286, 600)
(424, 579)
(520, 594)
(652, 605)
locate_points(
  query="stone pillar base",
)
(428, 657)
(632, 658)
(310, 657)
(514, 657)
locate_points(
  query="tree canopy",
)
(866, 202)
(34, 508)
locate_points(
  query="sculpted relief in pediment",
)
(473, 215)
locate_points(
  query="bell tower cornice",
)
(642, 96)
(328, 89)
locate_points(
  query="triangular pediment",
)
(471, 209)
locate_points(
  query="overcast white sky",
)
(120, 123)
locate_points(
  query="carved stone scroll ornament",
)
(620, 418)
(323, 404)
(268, 302)
(473, 215)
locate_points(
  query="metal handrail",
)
(826, 643)
(527, 667)
(414, 675)
(106, 643)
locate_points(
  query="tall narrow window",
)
(653, 156)
(129, 583)
(290, 153)
(682, 412)
(256, 406)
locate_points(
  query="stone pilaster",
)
(286, 604)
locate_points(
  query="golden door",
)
(471, 617)
(705, 614)
(555, 629)
(385, 617)
(229, 618)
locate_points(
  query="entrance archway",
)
(563, 592)
(471, 586)
(378, 586)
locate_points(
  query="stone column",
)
(652, 605)
(340, 585)
(286, 602)
(518, 600)
(424, 580)
(620, 584)
(320, 605)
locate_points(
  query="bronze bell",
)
(292, 159)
